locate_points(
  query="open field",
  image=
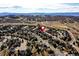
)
(73, 27)
(22, 36)
(24, 39)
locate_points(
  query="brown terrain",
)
(21, 36)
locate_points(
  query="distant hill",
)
(24, 17)
(41, 14)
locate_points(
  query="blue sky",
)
(72, 4)
(40, 6)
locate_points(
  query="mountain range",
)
(41, 14)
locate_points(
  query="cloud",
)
(29, 6)
(5, 7)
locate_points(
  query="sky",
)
(38, 6)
